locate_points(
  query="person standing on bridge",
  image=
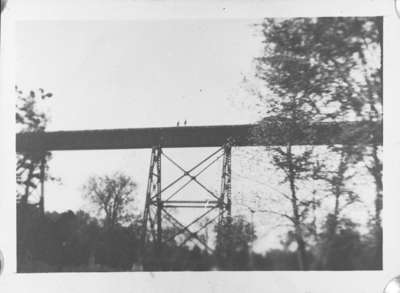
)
(177, 124)
(185, 123)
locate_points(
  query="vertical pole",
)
(226, 189)
(159, 201)
(228, 185)
(42, 179)
(228, 192)
(153, 188)
(225, 218)
(222, 196)
(146, 213)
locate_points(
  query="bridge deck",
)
(199, 136)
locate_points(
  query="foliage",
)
(30, 118)
(70, 242)
(316, 70)
(111, 195)
(325, 61)
(234, 239)
(76, 242)
(345, 249)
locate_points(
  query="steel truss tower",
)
(156, 211)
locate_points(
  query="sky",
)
(146, 73)
(118, 74)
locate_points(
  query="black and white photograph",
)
(199, 145)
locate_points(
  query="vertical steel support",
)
(153, 189)
(146, 213)
(159, 200)
(226, 187)
(224, 245)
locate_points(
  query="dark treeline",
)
(71, 242)
(77, 242)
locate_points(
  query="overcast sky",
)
(145, 73)
(110, 74)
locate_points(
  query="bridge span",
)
(201, 136)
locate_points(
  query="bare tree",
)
(111, 196)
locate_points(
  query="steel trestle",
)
(157, 204)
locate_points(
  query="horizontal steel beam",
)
(189, 201)
(200, 203)
(191, 206)
(265, 134)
